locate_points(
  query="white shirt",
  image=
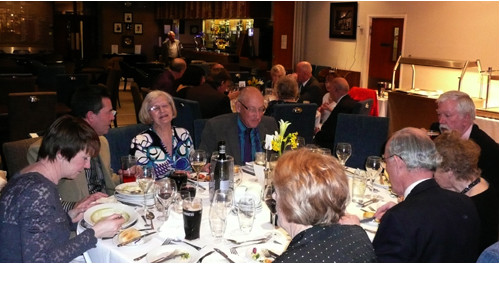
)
(410, 188)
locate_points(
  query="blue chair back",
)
(364, 107)
(301, 116)
(366, 134)
(199, 125)
(187, 112)
(119, 139)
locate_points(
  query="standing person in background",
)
(309, 87)
(163, 146)
(168, 81)
(171, 48)
(456, 111)
(93, 105)
(33, 225)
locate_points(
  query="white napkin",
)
(259, 173)
(248, 188)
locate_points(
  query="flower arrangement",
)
(280, 142)
(254, 82)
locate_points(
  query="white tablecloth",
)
(489, 126)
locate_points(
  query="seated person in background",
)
(287, 90)
(432, 224)
(210, 95)
(168, 81)
(277, 71)
(163, 146)
(310, 89)
(93, 105)
(456, 111)
(33, 225)
(192, 77)
(243, 131)
(459, 172)
(311, 216)
(345, 104)
(328, 104)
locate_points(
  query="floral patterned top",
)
(148, 148)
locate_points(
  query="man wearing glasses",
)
(92, 104)
(243, 131)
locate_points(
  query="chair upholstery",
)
(137, 98)
(366, 134)
(199, 125)
(301, 116)
(30, 112)
(364, 107)
(187, 112)
(67, 85)
(15, 155)
(119, 139)
(362, 94)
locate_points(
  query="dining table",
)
(169, 235)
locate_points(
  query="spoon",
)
(145, 221)
(150, 216)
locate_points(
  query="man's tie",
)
(248, 146)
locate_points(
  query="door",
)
(385, 48)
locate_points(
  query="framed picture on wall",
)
(343, 20)
(127, 17)
(138, 29)
(117, 27)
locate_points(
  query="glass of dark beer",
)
(191, 213)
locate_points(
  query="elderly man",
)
(168, 80)
(171, 48)
(432, 224)
(243, 131)
(456, 111)
(310, 89)
(92, 104)
(345, 104)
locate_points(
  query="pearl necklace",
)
(472, 184)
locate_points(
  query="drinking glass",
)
(273, 160)
(198, 159)
(145, 179)
(343, 151)
(246, 212)
(301, 142)
(238, 176)
(260, 158)
(373, 167)
(268, 198)
(165, 191)
(221, 201)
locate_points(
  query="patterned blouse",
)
(148, 148)
(331, 244)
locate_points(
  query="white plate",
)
(131, 189)
(202, 182)
(258, 256)
(139, 201)
(166, 250)
(97, 212)
(371, 226)
(143, 240)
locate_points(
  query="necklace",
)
(472, 184)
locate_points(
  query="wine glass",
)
(145, 179)
(373, 167)
(165, 191)
(198, 159)
(268, 198)
(343, 151)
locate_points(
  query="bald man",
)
(310, 88)
(345, 104)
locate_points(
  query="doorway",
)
(385, 47)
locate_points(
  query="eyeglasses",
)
(157, 108)
(385, 159)
(254, 110)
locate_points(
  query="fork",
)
(235, 252)
(170, 240)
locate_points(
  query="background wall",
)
(433, 29)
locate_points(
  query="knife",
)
(135, 239)
(367, 219)
(224, 255)
(194, 182)
(169, 257)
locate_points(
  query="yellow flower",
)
(254, 82)
(280, 142)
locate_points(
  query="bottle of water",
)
(221, 171)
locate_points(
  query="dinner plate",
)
(371, 226)
(203, 180)
(255, 254)
(131, 189)
(166, 250)
(98, 212)
(142, 241)
(134, 200)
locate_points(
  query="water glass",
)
(358, 186)
(238, 176)
(260, 158)
(246, 212)
(218, 214)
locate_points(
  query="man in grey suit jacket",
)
(92, 104)
(243, 131)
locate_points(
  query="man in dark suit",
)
(345, 104)
(243, 131)
(210, 95)
(310, 88)
(456, 111)
(432, 224)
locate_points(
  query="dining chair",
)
(187, 112)
(301, 116)
(362, 94)
(199, 125)
(113, 84)
(14, 84)
(128, 71)
(30, 112)
(119, 140)
(366, 134)
(67, 85)
(15, 155)
(137, 98)
(364, 107)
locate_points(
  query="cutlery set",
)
(134, 240)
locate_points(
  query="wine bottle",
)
(222, 171)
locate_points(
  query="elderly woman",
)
(33, 224)
(287, 90)
(459, 172)
(163, 146)
(311, 196)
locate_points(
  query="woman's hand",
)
(349, 219)
(109, 226)
(76, 214)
